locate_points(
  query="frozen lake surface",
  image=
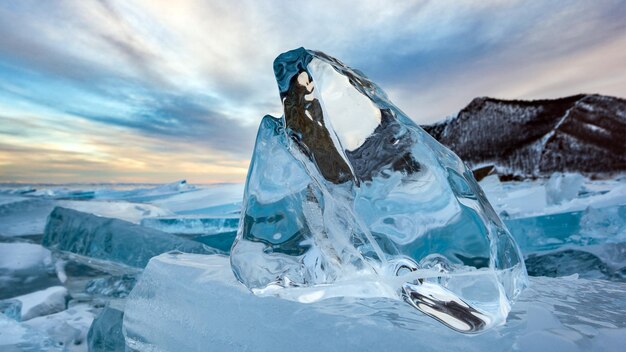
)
(572, 232)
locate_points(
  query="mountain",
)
(521, 139)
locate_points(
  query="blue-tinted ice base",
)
(187, 302)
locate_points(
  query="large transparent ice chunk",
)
(346, 188)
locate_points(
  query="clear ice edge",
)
(346, 196)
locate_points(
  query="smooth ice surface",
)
(111, 239)
(24, 217)
(51, 300)
(345, 187)
(25, 267)
(187, 302)
(211, 200)
(107, 191)
(146, 195)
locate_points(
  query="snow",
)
(563, 187)
(51, 300)
(24, 257)
(4, 199)
(15, 336)
(214, 199)
(68, 328)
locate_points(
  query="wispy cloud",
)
(151, 90)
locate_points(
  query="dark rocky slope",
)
(581, 133)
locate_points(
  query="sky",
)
(158, 90)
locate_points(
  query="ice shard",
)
(346, 188)
(112, 239)
(112, 286)
(194, 224)
(51, 300)
(105, 334)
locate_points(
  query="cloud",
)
(186, 79)
(55, 152)
(184, 119)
